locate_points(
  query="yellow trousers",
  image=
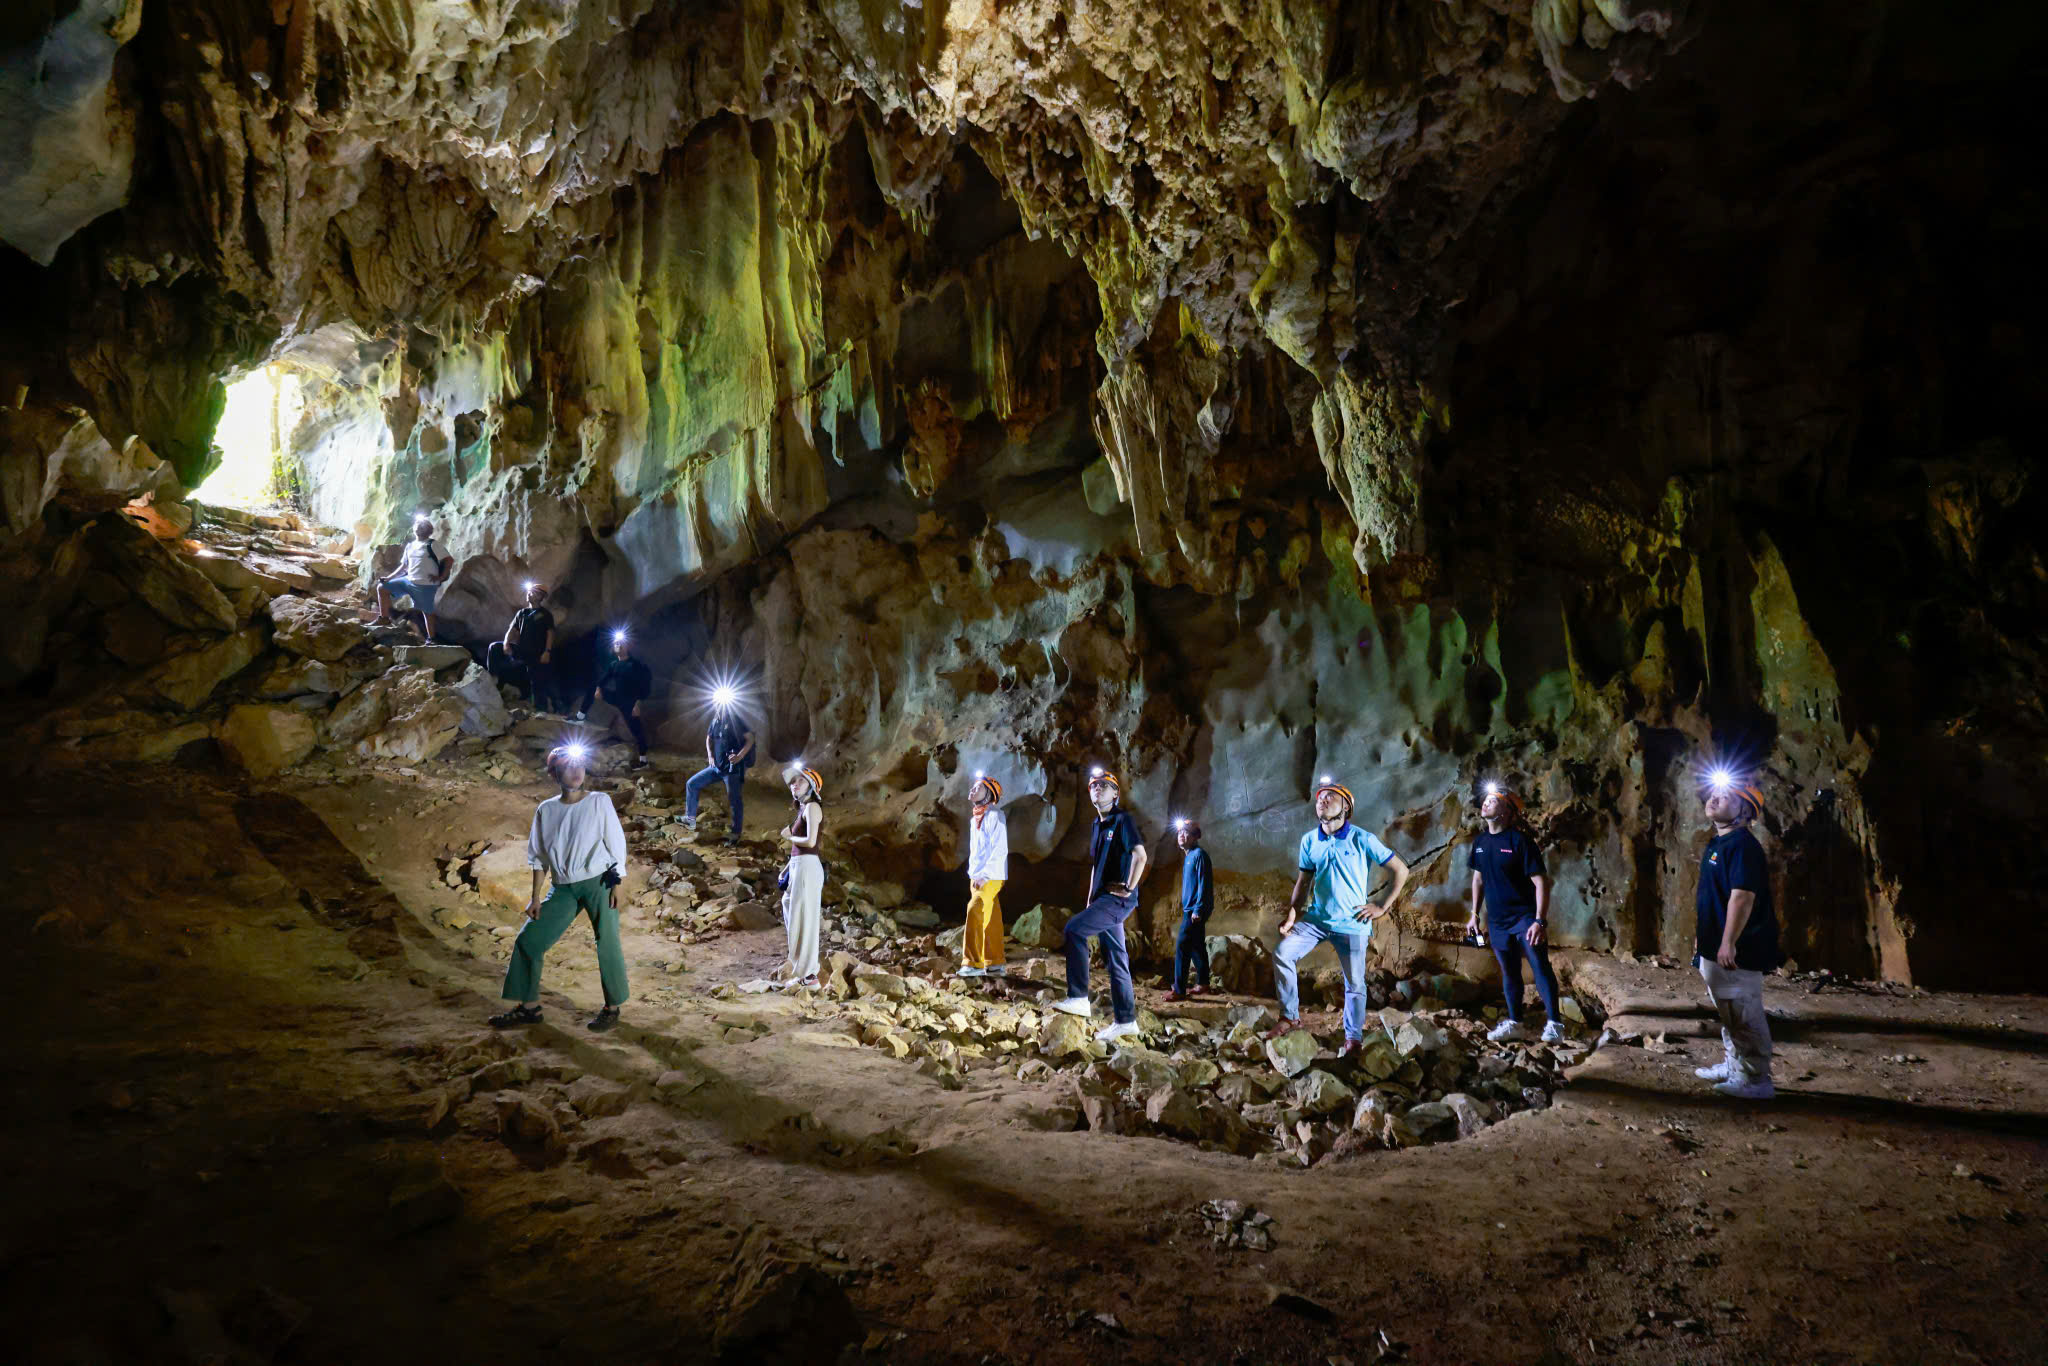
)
(983, 946)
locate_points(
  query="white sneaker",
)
(1554, 1033)
(1507, 1031)
(1127, 1030)
(964, 970)
(1075, 1005)
(1720, 1071)
(994, 970)
(1761, 1089)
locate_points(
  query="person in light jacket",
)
(988, 864)
(803, 899)
(577, 844)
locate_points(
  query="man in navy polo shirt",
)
(1336, 866)
(1738, 938)
(1507, 874)
(1197, 899)
(1117, 859)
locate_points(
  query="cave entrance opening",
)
(262, 406)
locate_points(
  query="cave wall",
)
(1232, 392)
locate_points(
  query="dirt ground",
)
(242, 1128)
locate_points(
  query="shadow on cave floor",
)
(261, 1029)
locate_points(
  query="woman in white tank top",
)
(803, 898)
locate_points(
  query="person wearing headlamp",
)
(729, 745)
(1334, 883)
(988, 867)
(1197, 899)
(525, 658)
(624, 683)
(1737, 939)
(422, 572)
(1509, 880)
(1117, 861)
(577, 843)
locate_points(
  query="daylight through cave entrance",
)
(261, 407)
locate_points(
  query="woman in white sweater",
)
(576, 839)
(803, 899)
(988, 863)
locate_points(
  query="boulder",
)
(425, 719)
(1472, 1116)
(297, 676)
(1432, 1120)
(432, 656)
(1319, 1093)
(1041, 927)
(174, 590)
(884, 984)
(502, 874)
(261, 740)
(596, 1098)
(314, 627)
(358, 713)
(917, 917)
(1369, 1116)
(134, 634)
(483, 707)
(1418, 1036)
(1063, 1035)
(186, 680)
(1239, 964)
(1174, 1110)
(1292, 1054)
(1377, 1058)
(755, 915)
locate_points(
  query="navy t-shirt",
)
(1507, 865)
(626, 681)
(729, 736)
(1111, 845)
(1735, 862)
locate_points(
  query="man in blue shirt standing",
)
(1335, 879)
(730, 746)
(1116, 854)
(1507, 874)
(1737, 939)
(1197, 899)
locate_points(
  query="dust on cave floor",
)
(245, 1003)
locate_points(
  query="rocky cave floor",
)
(267, 1122)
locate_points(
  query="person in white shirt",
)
(804, 894)
(578, 844)
(422, 569)
(988, 864)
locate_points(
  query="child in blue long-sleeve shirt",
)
(1197, 898)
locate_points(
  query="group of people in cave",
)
(578, 845)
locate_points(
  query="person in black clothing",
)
(1737, 940)
(1508, 877)
(1117, 861)
(625, 683)
(525, 657)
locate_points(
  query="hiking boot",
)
(604, 1021)
(517, 1017)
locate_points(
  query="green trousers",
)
(557, 913)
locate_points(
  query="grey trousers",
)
(1738, 997)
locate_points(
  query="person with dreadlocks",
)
(803, 894)
(1737, 939)
(1334, 881)
(578, 844)
(1508, 877)
(988, 863)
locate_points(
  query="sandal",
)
(517, 1016)
(1281, 1030)
(603, 1021)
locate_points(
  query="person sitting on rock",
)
(729, 744)
(1117, 861)
(1334, 877)
(525, 657)
(1737, 938)
(624, 682)
(988, 864)
(1508, 876)
(803, 894)
(579, 845)
(1197, 899)
(422, 570)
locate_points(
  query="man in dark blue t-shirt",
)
(1737, 941)
(729, 744)
(1116, 859)
(1197, 899)
(1508, 876)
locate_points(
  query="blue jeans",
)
(1104, 918)
(422, 594)
(1191, 950)
(1509, 950)
(735, 785)
(1350, 956)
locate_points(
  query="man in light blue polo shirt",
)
(1335, 874)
